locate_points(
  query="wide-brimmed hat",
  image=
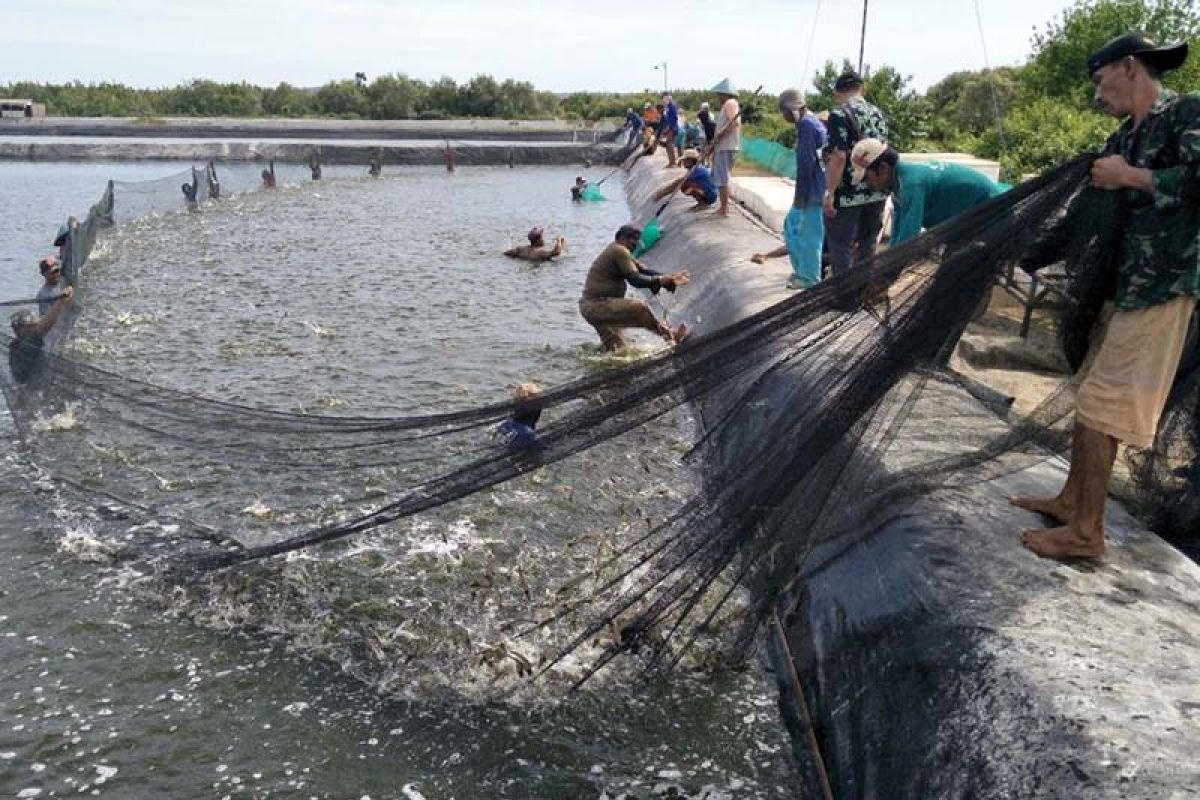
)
(1135, 43)
(725, 87)
(863, 155)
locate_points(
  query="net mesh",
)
(802, 404)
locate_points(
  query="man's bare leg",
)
(724, 209)
(1061, 507)
(1083, 534)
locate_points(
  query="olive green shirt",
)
(1160, 250)
(608, 273)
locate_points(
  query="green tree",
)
(344, 99)
(1060, 52)
(286, 100)
(394, 97)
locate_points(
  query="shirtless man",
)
(537, 251)
(604, 304)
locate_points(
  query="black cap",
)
(1136, 43)
(847, 81)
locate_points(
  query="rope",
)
(802, 706)
(812, 38)
(990, 78)
(31, 301)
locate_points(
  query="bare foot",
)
(722, 212)
(1054, 507)
(1063, 543)
(680, 333)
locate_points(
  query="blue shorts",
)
(723, 166)
(804, 233)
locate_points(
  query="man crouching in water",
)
(604, 304)
(537, 251)
(29, 337)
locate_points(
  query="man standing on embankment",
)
(1154, 159)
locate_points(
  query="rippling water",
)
(362, 296)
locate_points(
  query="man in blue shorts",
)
(804, 227)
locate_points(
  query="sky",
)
(559, 45)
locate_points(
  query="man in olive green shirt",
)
(1154, 159)
(604, 304)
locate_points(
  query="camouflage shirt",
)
(1160, 252)
(853, 120)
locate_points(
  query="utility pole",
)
(663, 64)
(862, 40)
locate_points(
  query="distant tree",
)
(342, 99)
(360, 79)
(286, 100)
(441, 100)
(395, 97)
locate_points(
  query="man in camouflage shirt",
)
(1154, 159)
(853, 212)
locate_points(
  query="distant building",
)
(21, 108)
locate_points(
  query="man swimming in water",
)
(537, 251)
(519, 432)
(577, 189)
(604, 304)
(268, 176)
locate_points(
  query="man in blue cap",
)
(1153, 159)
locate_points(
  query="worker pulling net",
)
(801, 403)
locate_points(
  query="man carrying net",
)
(604, 304)
(1153, 159)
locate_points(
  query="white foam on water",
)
(64, 420)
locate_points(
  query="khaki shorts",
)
(609, 315)
(1126, 387)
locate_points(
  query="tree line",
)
(1028, 117)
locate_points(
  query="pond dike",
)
(938, 657)
(404, 153)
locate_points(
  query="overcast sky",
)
(561, 45)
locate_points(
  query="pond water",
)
(381, 668)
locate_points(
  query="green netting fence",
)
(770, 155)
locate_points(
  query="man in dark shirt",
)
(707, 122)
(853, 212)
(1154, 161)
(604, 304)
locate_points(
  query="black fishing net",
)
(810, 410)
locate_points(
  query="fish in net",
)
(800, 401)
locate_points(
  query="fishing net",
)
(591, 192)
(801, 402)
(651, 233)
(770, 155)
